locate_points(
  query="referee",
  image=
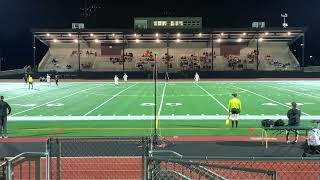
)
(234, 108)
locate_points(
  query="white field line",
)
(108, 100)
(269, 99)
(150, 117)
(162, 97)
(224, 107)
(293, 91)
(55, 100)
(35, 93)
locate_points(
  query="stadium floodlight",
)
(244, 34)
(260, 39)
(55, 40)
(135, 35)
(157, 40)
(91, 34)
(117, 40)
(301, 44)
(178, 40)
(113, 35)
(222, 34)
(266, 33)
(157, 34)
(178, 34)
(311, 57)
(69, 34)
(289, 33)
(284, 16)
(219, 40)
(200, 34)
(96, 40)
(48, 34)
(239, 40)
(76, 40)
(294, 50)
(137, 40)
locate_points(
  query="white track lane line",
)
(55, 100)
(269, 99)
(108, 100)
(224, 107)
(150, 117)
(161, 103)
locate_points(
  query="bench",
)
(280, 129)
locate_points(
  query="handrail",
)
(166, 151)
(26, 154)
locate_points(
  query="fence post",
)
(38, 168)
(9, 173)
(47, 159)
(144, 153)
(58, 160)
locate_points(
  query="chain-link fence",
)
(98, 158)
(234, 168)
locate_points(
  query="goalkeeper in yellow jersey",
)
(30, 81)
(234, 109)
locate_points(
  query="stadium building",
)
(182, 44)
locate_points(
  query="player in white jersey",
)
(116, 80)
(48, 78)
(125, 77)
(196, 77)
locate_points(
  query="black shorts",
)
(235, 111)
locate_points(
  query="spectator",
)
(294, 120)
(5, 110)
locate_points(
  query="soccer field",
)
(184, 108)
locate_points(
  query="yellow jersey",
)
(234, 103)
(30, 79)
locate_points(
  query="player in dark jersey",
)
(56, 79)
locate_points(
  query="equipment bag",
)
(266, 123)
(279, 122)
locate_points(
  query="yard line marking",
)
(293, 91)
(224, 107)
(162, 97)
(31, 93)
(150, 117)
(269, 99)
(108, 100)
(55, 100)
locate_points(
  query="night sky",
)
(17, 17)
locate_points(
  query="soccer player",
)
(48, 78)
(294, 120)
(166, 76)
(5, 110)
(234, 108)
(57, 79)
(125, 77)
(30, 81)
(196, 77)
(116, 80)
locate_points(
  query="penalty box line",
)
(149, 117)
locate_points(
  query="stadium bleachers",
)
(63, 57)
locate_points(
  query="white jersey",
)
(125, 77)
(116, 80)
(196, 77)
(48, 78)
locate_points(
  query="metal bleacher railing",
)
(26, 165)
